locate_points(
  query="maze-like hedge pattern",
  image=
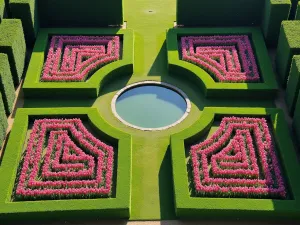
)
(74, 58)
(64, 160)
(238, 160)
(227, 58)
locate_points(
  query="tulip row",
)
(227, 58)
(239, 159)
(74, 58)
(55, 167)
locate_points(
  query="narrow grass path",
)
(152, 185)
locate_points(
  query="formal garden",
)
(149, 110)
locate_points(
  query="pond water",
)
(151, 106)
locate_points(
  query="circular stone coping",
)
(148, 83)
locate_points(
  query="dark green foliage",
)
(296, 119)
(6, 84)
(293, 84)
(267, 13)
(3, 122)
(26, 11)
(275, 11)
(294, 10)
(288, 46)
(12, 43)
(57, 13)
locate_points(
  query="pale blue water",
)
(151, 106)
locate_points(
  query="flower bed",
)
(227, 58)
(74, 58)
(238, 160)
(64, 160)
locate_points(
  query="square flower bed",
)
(75, 62)
(239, 161)
(225, 62)
(85, 170)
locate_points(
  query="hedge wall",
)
(6, 84)
(2, 9)
(12, 43)
(26, 10)
(3, 122)
(190, 207)
(288, 46)
(267, 13)
(87, 13)
(296, 119)
(71, 209)
(293, 84)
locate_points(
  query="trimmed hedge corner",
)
(89, 13)
(3, 122)
(26, 11)
(6, 84)
(268, 14)
(265, 88)
(115, 206)
(33, 87)
(188, 205)
(288, 46)
(12, 43)
(2, 9)
(293, 84)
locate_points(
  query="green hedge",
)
(12, 43)
(294, 10)
(34, 88)
(26, 10)
(293, 84)
(57, 13)
(265, 13)
(266, 89)
(2, 9)
(288, 46)
(296, 119)
(6, 84)
(3, 121)
(235, 208)
(74, 209)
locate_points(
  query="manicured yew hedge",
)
(296, 119)
(293, 84)
(288, 46)
(6, 84)
(87, 13)
(12, 43)
(3, 122)
(2, 9)
(26, 10)
(267, 13)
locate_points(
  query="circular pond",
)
(150, 105)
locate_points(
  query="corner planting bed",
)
(77, 62)
(236, 163)
(226, 62)
(71, 155)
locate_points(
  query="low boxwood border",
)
(235, 208)
(34, 88)
(266, 89)
(118, 207)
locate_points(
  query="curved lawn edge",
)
(118, 207)
(34, 88)
(266, 89)
(231, 208)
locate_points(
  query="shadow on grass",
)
(166, 193)
(160, 64)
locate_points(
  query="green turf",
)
(152, 184)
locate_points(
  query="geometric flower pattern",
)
(227, 58)
(64, 160)
(74, 58)
(238, 160)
